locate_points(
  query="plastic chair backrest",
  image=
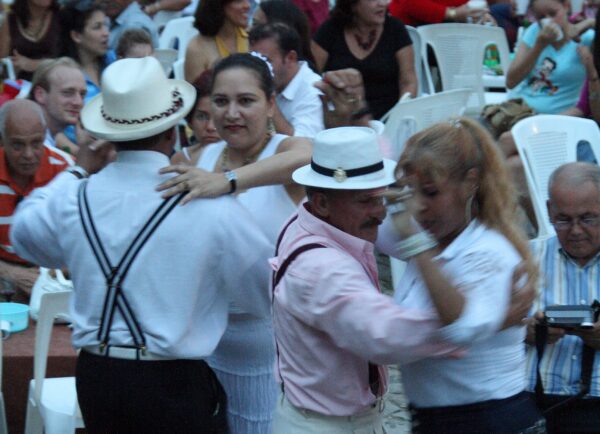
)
(52, 303)
(178, 69)
(177, 34)
(459, 50)
(411, 116)
(546, 142)
(424, 85)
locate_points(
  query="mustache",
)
(371, 222)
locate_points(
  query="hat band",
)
(175, 106)
(341, 175)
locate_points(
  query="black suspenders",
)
(277, 276)
(374, 377)
(115, 275)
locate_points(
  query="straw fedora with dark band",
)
(346, 158)
(137, 101)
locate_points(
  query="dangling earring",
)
(468, 210)
(271, 126)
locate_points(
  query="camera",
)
(572, 316)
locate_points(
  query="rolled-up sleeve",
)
(486, 285)
(35, 230)
(331, 292)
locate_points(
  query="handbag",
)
(502, 117)
(50, 280)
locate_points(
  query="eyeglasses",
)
(585, 222)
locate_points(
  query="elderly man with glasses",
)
(570, 265)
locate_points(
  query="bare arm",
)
(292, 153)
(196, 59)
(320, 55)
(408, 76)
(152, 7)
(527, 57)
(4, 38)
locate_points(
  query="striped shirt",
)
(563, 281)
(11, 194)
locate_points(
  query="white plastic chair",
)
(411, 116)
(460, 49)
(52, 406)
(166, 57)
(177, 34)
(178, 69)
(546, 142)
(419, 69)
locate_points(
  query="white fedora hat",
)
(137, 101)
(346, 158)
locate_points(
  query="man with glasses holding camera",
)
(570, 266)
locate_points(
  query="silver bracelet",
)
(394, 208)
(414, 245)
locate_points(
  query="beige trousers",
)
(291, 420)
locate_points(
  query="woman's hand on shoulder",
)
(197, 182)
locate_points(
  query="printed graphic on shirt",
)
(541, 81)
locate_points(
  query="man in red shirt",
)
(25, 164)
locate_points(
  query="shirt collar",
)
(462, 241)
(290, 90)
(142, 157)
(355, 246)
(568, 257)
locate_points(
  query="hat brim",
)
(95, 124)
(382, 178)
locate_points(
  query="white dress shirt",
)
(300, 104)
(180, 283)
(480, 262)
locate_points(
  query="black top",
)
(379, 69)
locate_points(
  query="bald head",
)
(574, 175)
(23, 131)
(25, 111)
(574, 209)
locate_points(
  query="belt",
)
(128, 353)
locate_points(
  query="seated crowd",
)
(255, 306)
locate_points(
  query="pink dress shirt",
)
(330, 320)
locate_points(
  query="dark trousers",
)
(119, 396)
(517, 414)
(575, 417)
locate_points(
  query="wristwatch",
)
(78, 171)
(232, 178)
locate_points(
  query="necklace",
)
(34, 34)
(368, 44)
(225, 163)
